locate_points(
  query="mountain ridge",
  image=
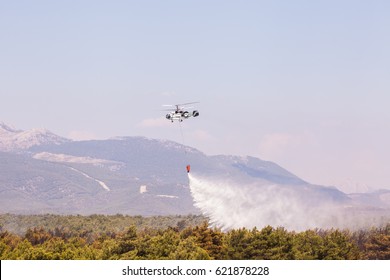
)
(127, 175)
(12, 140)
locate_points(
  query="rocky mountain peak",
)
(15, 140)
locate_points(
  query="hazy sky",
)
(305, 84)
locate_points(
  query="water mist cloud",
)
(231, 204)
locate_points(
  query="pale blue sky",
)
(303, 83)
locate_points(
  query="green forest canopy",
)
(177, 237)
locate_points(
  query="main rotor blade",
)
(186, 103)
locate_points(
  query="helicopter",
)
(179, 112)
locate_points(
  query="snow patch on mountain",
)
(101, 183)
(15, 140)
(74, 159)
(167, 196)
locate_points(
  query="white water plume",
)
(230, 204)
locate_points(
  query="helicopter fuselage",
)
(179, 115)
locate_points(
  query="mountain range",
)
(41, 172)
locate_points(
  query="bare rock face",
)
(12, 140)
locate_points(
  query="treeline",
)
(184, 241)
(96, 224)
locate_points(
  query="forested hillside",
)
(176, 237)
